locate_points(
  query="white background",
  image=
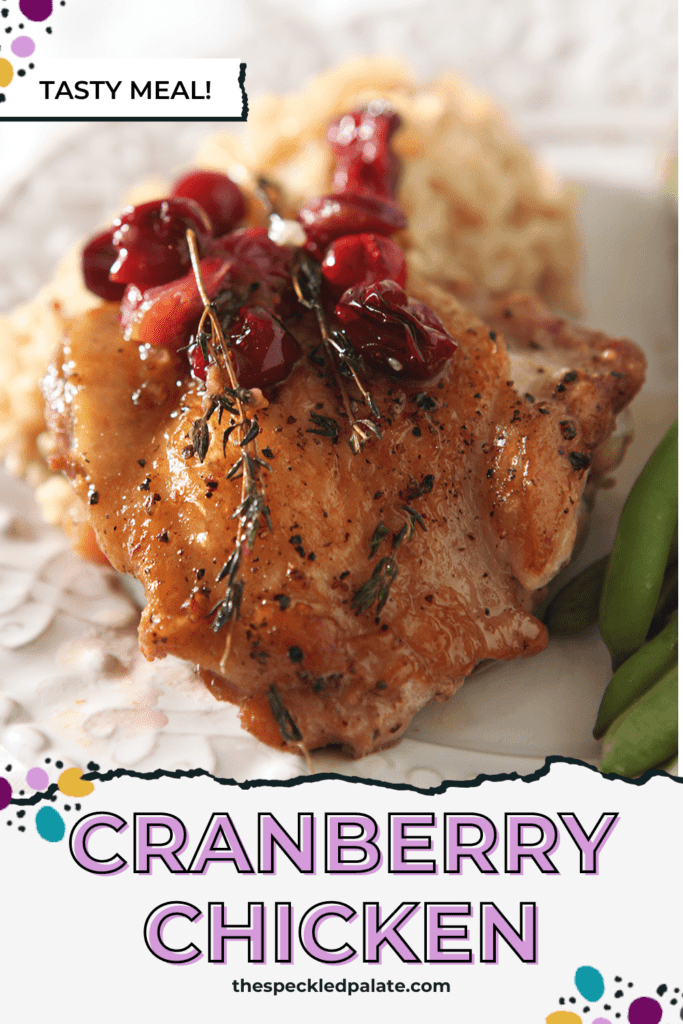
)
(82, 934)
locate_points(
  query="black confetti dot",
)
(21, 814)
(661, 990)
(59, 764)
(617, 979)
(571, 999)
(618, 994)
(22, 828)
(21, 792)
(9, 822)
(31, 66)
(630, 985)
(2, 97)
(607, 1006)
(8, 767)
(21, 25)
(8, 29)
(21, 72)
(77, 806)
(49, 31)
(47, 760)
(5, 12)
(673, 1002)
(92, 767)
(586, 1009)
(561, 1000)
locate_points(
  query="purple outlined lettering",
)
(80, 835)
(145, 850)
(456, 850)
(401, 841)
(220, 827)
(438, 932)
(523, 943)
(253, 933)
(154, 933)
(517, 850)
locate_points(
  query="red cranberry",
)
(264, 350)
(197, 362)
(360, 142)
(256, 258)
(98, 256)
(393, 333)
(168, 315)
(217, 195)
(328, 217)
(363, 259)
(151, 244)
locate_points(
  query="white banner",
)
(121, 89)
(557, 900)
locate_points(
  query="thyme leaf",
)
(199, 436)
(415, 517)
(285, 723)
(229, 608)
(328, 426)
(307, 279)
(378, 536)
(377, 587)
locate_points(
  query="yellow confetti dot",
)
(6, 72)
(71, 784)
(563, 1017)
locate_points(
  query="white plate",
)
(72, 682)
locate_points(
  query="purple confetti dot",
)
(601, 1020)
(5, 794)
(36, 10)
(645, 1011)
(37, 778)
(23, 46)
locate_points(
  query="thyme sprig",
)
(342, 358)
(233, 400)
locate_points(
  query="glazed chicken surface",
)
(388, 574)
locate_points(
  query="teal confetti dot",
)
(590, 983)
(50, 824)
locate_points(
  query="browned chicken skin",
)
(495, 469)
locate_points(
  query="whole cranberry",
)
(363, 259)
(393, 333)
(360, 142)
(264, 349)
(97, 259)
(150, 241)
(256, 257)
(217, 195)
(167, 315)
(197, 361)
(328, 217)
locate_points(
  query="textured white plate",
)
(72, 683)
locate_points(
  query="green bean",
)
(638, 674)
(638, 561)
(666, 602)
(647, 734)
(575, 607)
